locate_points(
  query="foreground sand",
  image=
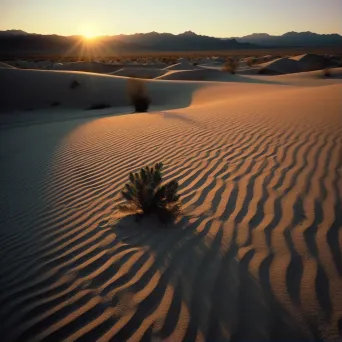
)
(256, 257)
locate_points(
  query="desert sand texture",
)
(256, 254)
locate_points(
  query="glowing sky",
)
(221, 18)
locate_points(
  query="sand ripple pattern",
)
(257, 255)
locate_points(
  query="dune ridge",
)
(256, 256)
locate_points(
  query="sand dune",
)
(195, 75)
(181, 66)
(213, 64)
(6, 66)
(313, 78)
(35, 94)
(30, 90)
(256, 256)
(279, 66)
(295, 64)
(105, 68)
(139, 72)
(309, 62)
(88, 67)
(264, 59)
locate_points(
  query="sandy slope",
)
(6, 66)
(88, 66)
(32, 90)
(202, 74)
(181, 66)
(257, 255)
(139, 72)
(31, 95)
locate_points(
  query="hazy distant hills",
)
(14, 42)
(293, 39)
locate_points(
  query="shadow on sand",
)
(223, 300)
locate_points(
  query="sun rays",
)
(90, 46)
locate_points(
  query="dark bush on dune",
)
(145, 194)
(74, 84)
(138, 95)
(326, 72)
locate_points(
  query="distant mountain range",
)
(14, 42)
(187, 41)
(293, 39)
(20, 42)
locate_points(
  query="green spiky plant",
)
(146, 195)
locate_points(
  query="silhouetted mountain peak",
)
(13, 33)
(188, 33)
(293, 33)
(257, 35)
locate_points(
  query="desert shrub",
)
(99, 106)
(251, 61)
(230, 66)
(146, 195)
(138, 95)
(326, 72)
(74, 84)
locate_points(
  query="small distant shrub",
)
(145, 194)
(195, 64)
(326, 72)
(74, 84)
(55, 104)
(138, 95)
(251, 62)
(230, 66)
(99, 106)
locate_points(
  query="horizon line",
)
(175, 34)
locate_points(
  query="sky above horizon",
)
(219, 18)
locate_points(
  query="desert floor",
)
(256, 255)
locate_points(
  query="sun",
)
(89, 35)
